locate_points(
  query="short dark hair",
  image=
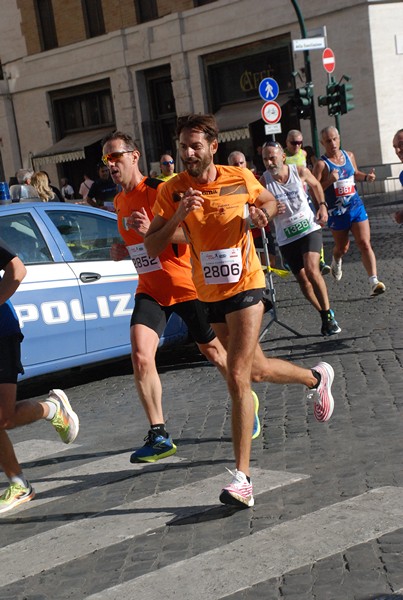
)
(127, 139)
(204, 123)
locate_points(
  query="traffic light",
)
(332, 99)
(345, 98)
(303, 99)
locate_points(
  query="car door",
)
(44, 301)
(106, 287)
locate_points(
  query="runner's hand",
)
(118, 251)
(191, 200)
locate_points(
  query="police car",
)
(75, 303)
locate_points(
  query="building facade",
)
(73, 70)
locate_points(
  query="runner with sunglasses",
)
(167, 165)
(165, 286)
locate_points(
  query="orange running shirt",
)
(220, 225)
(172, 281)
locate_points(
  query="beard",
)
(197, 168)
(274, 170)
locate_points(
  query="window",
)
(46, 24)
(21, 233)
(146, 10)
(202, 2)
(93, 17)
(88, 237)
(84, 111)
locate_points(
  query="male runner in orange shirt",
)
(213, 204)
(165, 286)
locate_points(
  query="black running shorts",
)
(10, 358)
(293, 253)
(216, 311)
(148, 312)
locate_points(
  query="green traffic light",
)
(345, 98)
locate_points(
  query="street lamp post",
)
(308, 76)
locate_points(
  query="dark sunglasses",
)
(296, 143)
(167, 162)
(114, 156)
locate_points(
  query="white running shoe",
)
(377, 288)
(336, 270)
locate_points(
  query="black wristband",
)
(323, 204)
(266, 214)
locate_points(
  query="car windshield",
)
(88, 236)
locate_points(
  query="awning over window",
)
(233, 120)
(71, 147)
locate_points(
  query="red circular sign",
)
(328, 60)
(271, 112)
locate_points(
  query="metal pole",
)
(308, 75)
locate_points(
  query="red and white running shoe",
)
(322, 395)
(239, 492)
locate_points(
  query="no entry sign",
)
(328, 60)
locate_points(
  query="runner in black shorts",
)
(165, 286)
(148, 312)
(55, 409)
(293, 253)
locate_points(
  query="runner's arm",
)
(14, 273)
(326, 179)
(160, 234)
(360, 175)
(264, 210)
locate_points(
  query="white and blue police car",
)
(75, 303)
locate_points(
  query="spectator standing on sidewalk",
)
(67, 190)
(85, 186)
(56, 408)
(398, 146)
(40, 181)
(213, 203)
(167, 166)
(103, 190)
(337, 171)
(298, 232)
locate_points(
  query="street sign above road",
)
(268, 89)
(308, 44)
(328, 60)
(271, 112)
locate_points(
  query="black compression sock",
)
(159, 429)
(317, 376)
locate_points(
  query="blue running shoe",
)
(155, 447)
(256, 422)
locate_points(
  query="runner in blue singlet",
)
(337, 171)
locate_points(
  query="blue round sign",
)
(401, 177)
(268, 89)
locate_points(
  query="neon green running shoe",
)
(14, 495)
(65, 420)
(256, 422)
